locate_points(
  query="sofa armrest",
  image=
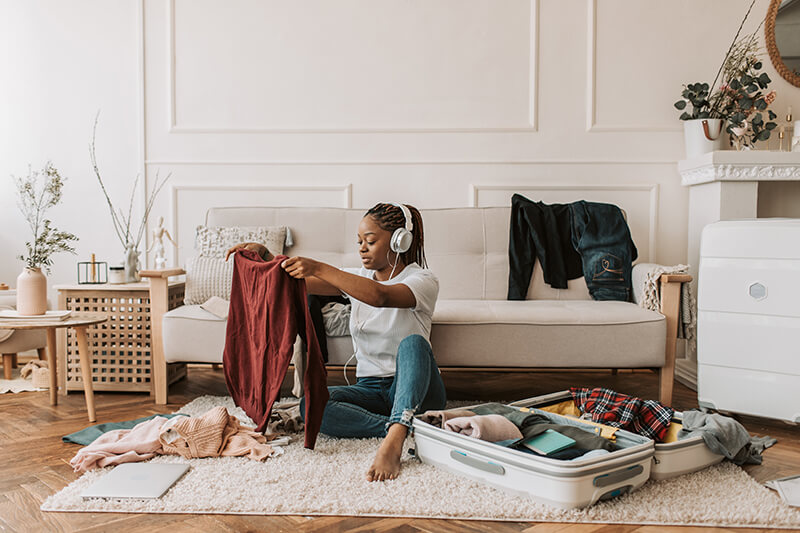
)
(670, 307)
(165, 273)
(159, 305)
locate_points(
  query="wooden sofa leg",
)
(8, 362)
(670, 308)
(159, 304)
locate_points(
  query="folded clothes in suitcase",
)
(562, 483)
(671, 458)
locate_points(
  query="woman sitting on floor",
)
(393, 296)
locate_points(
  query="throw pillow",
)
(208, 274)
(214, 241)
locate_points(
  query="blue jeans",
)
(369, 407)
(602, 237)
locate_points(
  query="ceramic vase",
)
(703, 135)
(31, 292)
(131, 264)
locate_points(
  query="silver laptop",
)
(136, 480)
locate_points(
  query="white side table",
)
(724, 186)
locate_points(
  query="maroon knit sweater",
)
(268, 310)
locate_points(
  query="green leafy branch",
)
(34, 199)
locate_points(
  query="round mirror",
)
(782, 32)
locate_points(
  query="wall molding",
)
(591, 86)
(219, 162)
(533, 96)
(142, 118)
(652, 189)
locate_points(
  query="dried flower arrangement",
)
(129, 237)
(35, 197)
(739, 100)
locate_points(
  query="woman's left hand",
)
(300, 267)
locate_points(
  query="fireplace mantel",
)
(749, 165)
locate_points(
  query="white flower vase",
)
(703, 135)
(31, 292)
(131, 264)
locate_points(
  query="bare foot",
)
(387, 461)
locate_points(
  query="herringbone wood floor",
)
(33, 460)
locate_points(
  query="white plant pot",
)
(700, 138)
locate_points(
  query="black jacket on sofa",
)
(582, 238)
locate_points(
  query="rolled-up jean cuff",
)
(406, 418)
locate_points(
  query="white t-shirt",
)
(377, 331)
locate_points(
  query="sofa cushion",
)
(481, 333)
(192, 334)
(556, 334)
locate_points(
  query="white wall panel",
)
(642, 52)
(351, 65)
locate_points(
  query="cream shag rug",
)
(330, 481)
(17, 384)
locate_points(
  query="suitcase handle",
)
(615, 477)
(480, 464)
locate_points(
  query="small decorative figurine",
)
(158, 243)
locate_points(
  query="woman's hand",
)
(260, 249)
(301, 267)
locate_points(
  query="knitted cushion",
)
(207, 277)
(208, 274)
(214, 241)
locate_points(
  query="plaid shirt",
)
(645, 417)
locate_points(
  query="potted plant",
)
(36, 196)
(703, 127)
(735, 106)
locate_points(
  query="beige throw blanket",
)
(647, 287)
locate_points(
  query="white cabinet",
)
(748, 322)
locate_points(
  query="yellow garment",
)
(570, 410)
(672, 431)
(567, 407)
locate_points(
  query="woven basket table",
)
(121, 345)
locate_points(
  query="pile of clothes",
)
(216, 433)
(510, 427)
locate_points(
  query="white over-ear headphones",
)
(402, 237)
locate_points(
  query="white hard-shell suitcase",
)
(565, 484)
(670, 459)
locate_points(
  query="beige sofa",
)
(473, 325)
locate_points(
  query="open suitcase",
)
(671, 458)
(565, 484)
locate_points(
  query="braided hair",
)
(390, 217)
